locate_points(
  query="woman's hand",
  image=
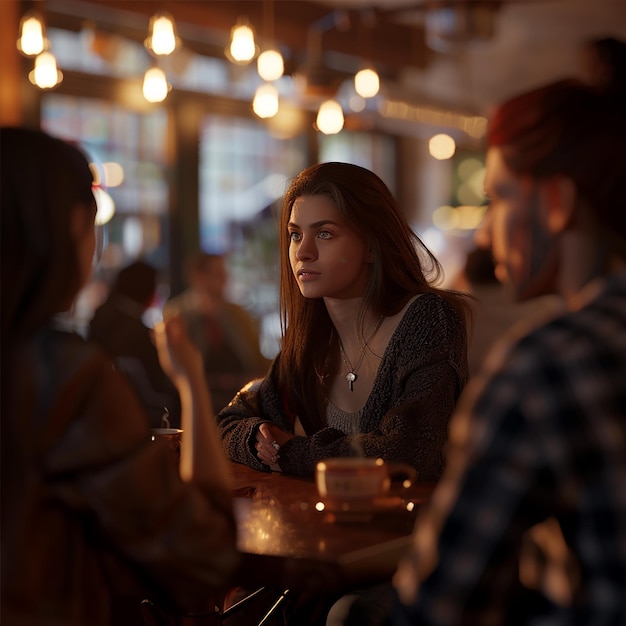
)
(269, 439)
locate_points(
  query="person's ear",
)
(560, 195)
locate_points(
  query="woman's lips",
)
(307, 275)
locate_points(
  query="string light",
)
(265, 103)
(242, 47)
(32, 40)
(367, 83)
(270, 65)
(155, 85)
(441, 146)
(330, 117)
(45, 74)
(162, 39)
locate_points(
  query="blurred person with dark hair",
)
(225, 333)
(495, 311)
(604, 66)
(95, 516)
(539, 446)
(118, 326)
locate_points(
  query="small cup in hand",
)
(173, 437)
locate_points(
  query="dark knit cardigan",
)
(405, 418)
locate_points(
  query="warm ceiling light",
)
(330, 117)
(270, 65)
(105, 206)
(242, 47)
(367, 83)
(265, 103)
(442, 146)
(162, 39)
(155, 85)
(113, 174)
(32, 40)
(45, 75)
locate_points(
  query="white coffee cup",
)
(357, 478)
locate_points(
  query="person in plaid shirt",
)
(528, 523)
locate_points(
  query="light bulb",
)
(265, 103)
(162, 39)
(105, 206)
(45, 75)
(242, 46)
(441, 146)
(330, 117)
(31, 41)
(367, 83)
(155, 86)
(270, 65)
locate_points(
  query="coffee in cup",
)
(173, 436)
(348, 479)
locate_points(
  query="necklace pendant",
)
(351, 377)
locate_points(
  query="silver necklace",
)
(352, 375)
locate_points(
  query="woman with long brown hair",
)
(373, 353)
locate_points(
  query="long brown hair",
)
(402, 267)
(42, 180)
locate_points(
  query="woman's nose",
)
(306, 249)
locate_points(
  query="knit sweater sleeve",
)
(257, 402)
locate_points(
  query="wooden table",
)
(287, 542)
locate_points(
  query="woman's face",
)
(328, 259)
(515, 227)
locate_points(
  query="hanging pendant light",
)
(162, 39)
(155, 85)
(265, 103)
(330, 117)
(270, 65)
(367, 82)
(242, 47)
(32, 39)
(45, 74)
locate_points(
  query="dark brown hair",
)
(402, 267)
(42, 179)
(137, 281)
(566, 128)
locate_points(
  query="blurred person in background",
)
(603, 63)
(118, 326)
(494, 310)
(537, 449)
(225, 333)
(95, 516)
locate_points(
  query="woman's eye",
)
(295, 236)
(324, 234)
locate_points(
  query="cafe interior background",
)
(194, 136)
